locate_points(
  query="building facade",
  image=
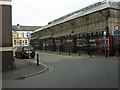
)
(88, 30)
(21, 35)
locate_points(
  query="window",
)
(20, 35)
(20, 42)
(15, 35)
(15, 42)
(26, 42)
(25, 34)
(28, 48)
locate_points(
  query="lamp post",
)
(13, 33)
(105, 43)
(117, 54)
(39, 42)
(21, 41)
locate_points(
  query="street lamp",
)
(39, 45)
(22, 38)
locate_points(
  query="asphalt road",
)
(71, 73)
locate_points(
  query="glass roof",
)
(89, 9)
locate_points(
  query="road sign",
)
(116, 32)
(116, 28)
(28, 34)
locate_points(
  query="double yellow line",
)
(49, 67)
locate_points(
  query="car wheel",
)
(20, 56)
(16, 56)
(33, 56)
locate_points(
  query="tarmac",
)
(27, 67)
(85, 56)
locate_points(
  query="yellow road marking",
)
(48, 71)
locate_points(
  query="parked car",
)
(25, 51)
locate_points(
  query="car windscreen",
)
(28, 48)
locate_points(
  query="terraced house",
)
(93, 29)
(20, 34)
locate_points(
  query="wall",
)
(6, 46)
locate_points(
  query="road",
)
(71, 72)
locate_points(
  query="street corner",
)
(25, 68)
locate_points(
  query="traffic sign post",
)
(117, 32)
(28, 35)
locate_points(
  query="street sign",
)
(116, 32)
(116, 28)
(28, 34)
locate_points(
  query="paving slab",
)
(24, 68)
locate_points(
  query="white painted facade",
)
(20, 38)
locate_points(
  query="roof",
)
(25, 28)
(84, 11)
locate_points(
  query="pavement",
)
(24, 68)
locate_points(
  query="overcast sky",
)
(40, 12)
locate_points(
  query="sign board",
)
(116, 32)
(28, 34)
(116, 28)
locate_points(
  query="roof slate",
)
(25, 28)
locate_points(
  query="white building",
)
(21, 34)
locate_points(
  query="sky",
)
(40, 12)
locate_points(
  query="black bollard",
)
(79, 52)
(106, 53)
(90, 52)
(60, 50)
(37, 60)
(90, 55)
(45, 49)
(69, 51)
